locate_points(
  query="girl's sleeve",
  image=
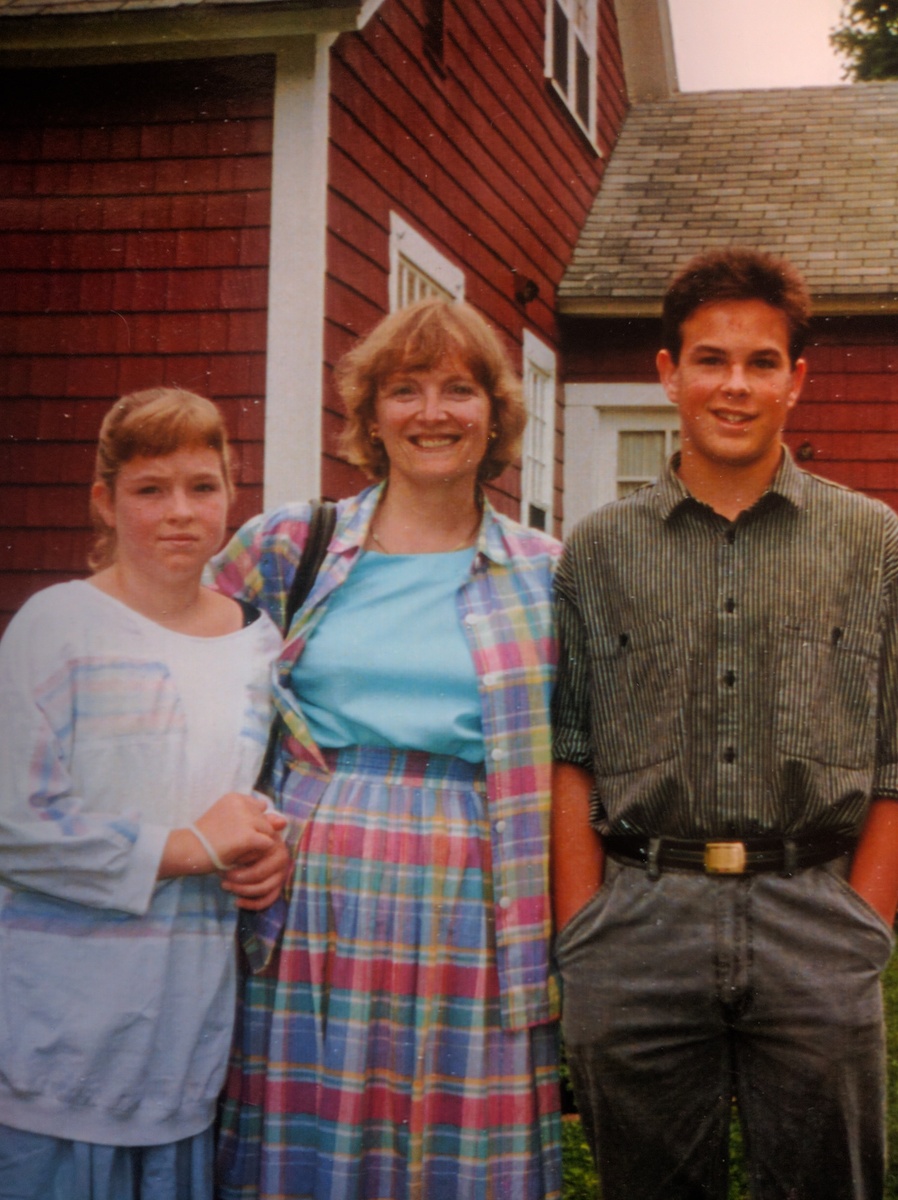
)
(260, 560)
(50, 840)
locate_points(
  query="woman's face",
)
(169, 512)
(434, 424)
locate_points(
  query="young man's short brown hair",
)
(736, 273)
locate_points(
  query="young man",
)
(727, 762)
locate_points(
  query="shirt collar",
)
(671, 492)
(356, 517)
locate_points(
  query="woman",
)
(402, 1044)
(133, 713)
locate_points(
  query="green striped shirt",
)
(727, 679)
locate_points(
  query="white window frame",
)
(594, 415)
(540, 374)
(414, 258)
(588, 39)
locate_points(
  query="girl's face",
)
(169, 512)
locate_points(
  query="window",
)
(641, 454)
(617, 437)
(538, 462)
(571, 40)
(418, 269)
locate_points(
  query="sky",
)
(754, 43)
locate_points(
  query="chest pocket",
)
(827, 694)
(638, 693)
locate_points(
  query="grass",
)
(580, 1181)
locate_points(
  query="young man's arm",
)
(577, 856)
(874, 869)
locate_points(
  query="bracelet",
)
(209, 848)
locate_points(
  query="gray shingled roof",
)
(810, 172)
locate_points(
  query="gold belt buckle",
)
(725, 858)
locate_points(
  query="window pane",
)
(538, 453)
(581, 100)
(414, 284)
(640, 455)
(559, 47)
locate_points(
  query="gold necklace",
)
(466, 541)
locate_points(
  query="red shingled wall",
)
(476, 152)
(133, 252)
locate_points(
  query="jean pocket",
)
(866, 913)
(583, 921)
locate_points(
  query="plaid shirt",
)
(505, 611)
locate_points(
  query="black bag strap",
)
(322, 522)
(321, 527)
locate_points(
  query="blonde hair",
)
(150, 424)
(418, 338)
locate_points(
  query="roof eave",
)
(21, 37)
(630, 307)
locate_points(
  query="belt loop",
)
(790, 858)
(653, 865)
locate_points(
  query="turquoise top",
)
(390, 665)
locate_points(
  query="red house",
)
(224, 195)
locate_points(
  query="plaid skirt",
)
(369, 1060)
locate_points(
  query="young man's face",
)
(734, 385)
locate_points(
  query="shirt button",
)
(500, 826)
(730, 605)
(489, 679)
(729, 755)
(505, 902)
(729, 678)
(498, 754)
(472, 618)
(731, 536)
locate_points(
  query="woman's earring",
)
(373, 436)
(494, 433)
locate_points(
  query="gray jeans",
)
(686, 991)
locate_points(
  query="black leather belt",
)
(746, 857)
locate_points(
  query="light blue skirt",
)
(34, 1166)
